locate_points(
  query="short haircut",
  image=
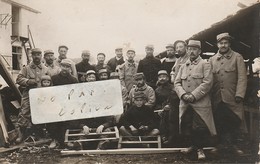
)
(179, 41)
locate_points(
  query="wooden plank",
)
(126, 151)
(137, 142)
(117, 132)
(90, 134)
(96, 139)
(3, 122)
(159, 142)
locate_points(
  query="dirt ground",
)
(42, 154)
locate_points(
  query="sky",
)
(103, 25)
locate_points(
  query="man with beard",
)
(49, 58)
(128, 70)
(192, 84)
(141, 86)
(57, 130)
(150, 66)
(101, 57)
(180, 47)
(117, 60)
(63, 50)
(167, 101)
(29, 77)
(229, 88)
(83, 66)
(169, 61)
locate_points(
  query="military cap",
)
(139, 95)
(223, 36)
(194, 43)
(162, 72)
(48, 52)
(114, 75)
(85, 52)
(119, 48)
(36, 50)
(46, 77)
(66, 62)
(139, 76)
(90, 72)
(179, 41)
(102, 71)
(63, 46)
(101, 54)
(131, 49)
(169, 46)
(149, 46)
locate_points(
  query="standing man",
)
(117, 60)
(192, 84)
(63, 50)
(101, 57)
(49, 58)
(128, 70)
(83, 66)
(181, 49)
(230, 82)
(29, 77)
(150, 66)
(143, 87)
(57, 130)
(169, 61)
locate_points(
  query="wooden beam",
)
(22, 6)
(126, 151)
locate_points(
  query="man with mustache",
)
(229, 88)
(83, 66)
(168, 101)
(142, 87)
(29, 77)
(169, 61)
(192, 84)
(49, 58)
(181, 50)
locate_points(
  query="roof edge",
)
(21, 5)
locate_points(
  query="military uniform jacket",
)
(113, 63)
(179, 62)
(82, 68)
(31, 71)
(148, 91)
(196, 78)
(230, 80)
(126, 74)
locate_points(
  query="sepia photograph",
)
(129, 81)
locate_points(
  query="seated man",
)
(97, 125)
(138, 120)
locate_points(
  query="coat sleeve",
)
(206, 84)
(121, 72)
(22, 77)
(178, 84)
(151, 98)
(140, 66)
(242, 77)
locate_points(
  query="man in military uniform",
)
(49, 58)
(117, 60)
(169, 61)
(101, 57)
(83, 66)
(63, 50)
(180, 47)
(150, 66)
(128, 69)
(192, 84)
(29, 77)
(143, 87)
(230, 82)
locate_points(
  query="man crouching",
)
(138, 120)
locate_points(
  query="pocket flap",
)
(197, 75)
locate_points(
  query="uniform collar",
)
(130, 64)
(141, 88)
(227, 55)
(34, 66)
(47, 65)
(195, 62)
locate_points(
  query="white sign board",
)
(76, 101)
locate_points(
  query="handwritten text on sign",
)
(76, 101)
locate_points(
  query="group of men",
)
(190, 95)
